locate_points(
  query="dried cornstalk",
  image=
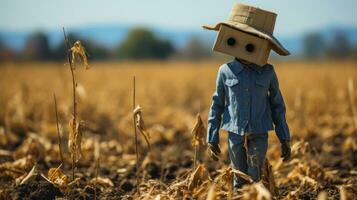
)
(136, 142)
(140, 125)
(58, 131)
(198, 132)
(75, 135)
(69, 60)
(351, 92)
(97, 158)
(198, 137)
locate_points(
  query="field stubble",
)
(319, 102)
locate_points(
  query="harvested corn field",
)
(321, 112)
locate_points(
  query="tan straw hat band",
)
(264, 23)
(241, 19)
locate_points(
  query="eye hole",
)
(249, 47)
(231, 41)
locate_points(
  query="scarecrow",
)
(247, 91)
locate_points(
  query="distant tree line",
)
(315, 46)
(140, 43)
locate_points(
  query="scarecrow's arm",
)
(217, 108)
(278, 110)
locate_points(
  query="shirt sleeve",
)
(278, 109)
(216, 110)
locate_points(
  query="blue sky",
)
(294, 16)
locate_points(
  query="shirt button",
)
(247, 89)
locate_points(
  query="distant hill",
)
(111, 36)
(295, 43)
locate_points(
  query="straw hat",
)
(254, 21)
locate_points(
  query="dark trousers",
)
(247, 158)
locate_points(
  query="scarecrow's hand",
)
(214, 151)
(285, 150)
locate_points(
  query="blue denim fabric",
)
(250, 162)
(249, 98)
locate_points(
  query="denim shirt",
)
(249, 98)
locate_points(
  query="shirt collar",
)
(239, 66)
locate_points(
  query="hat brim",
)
(277, 47)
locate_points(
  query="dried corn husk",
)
(81, 91)
(262, 192)
(104, 182)
(27, 177)
(17, 168)
(139, 122)
(268, 179)
(5, 153)
(78, 51)
(241, 174)
(212, 195)
(343, 195)
(3, 136)
(75, 139)
(255, 191)
(55, 175)
(96, 150)
(225, 177)
(198, 132)
(30, 146)
(197, 177)
(322, 196)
